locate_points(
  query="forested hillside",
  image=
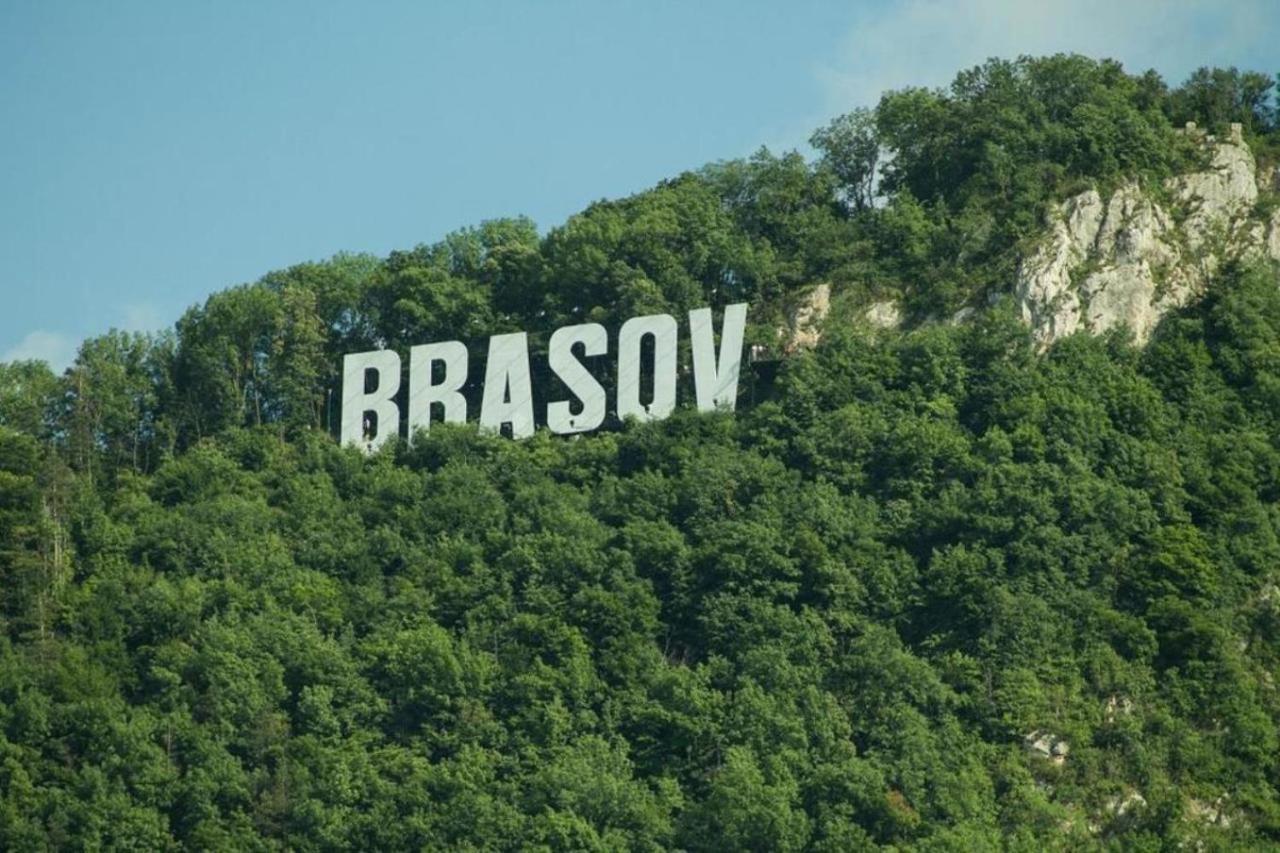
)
(935, 587)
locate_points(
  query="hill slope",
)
(954, 586)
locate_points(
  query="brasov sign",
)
(438, 372)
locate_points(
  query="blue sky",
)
(154, 152)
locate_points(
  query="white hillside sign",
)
(438, 373)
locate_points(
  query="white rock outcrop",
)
(805, 326)
(1045, 294)
(1120, 805)
(1116, 707)
(883, 315)
(1218, 195)
(806, 319)
(1046, 745)
(1214, 814)
(1120, 259)
(1125, 260)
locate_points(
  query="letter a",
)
(508, 394)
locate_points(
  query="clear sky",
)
(154, 152)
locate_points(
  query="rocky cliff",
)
(1126, 258)
(1129, 258)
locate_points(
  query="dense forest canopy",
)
(931, 589)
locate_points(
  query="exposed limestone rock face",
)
(1214, 814)
(1218, 195)
(1100, 266)
(884, 315)
(1117, 706)
(804, 326)
(1046, 745)
(1124, 260)
(806, 320)
(1044, 291)
(1121, 804)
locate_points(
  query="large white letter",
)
(663, 329)
(579, 381)
(423, 392)
(717, 386)
(508, 397)
(356, 402)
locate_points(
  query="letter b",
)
(380, 402)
